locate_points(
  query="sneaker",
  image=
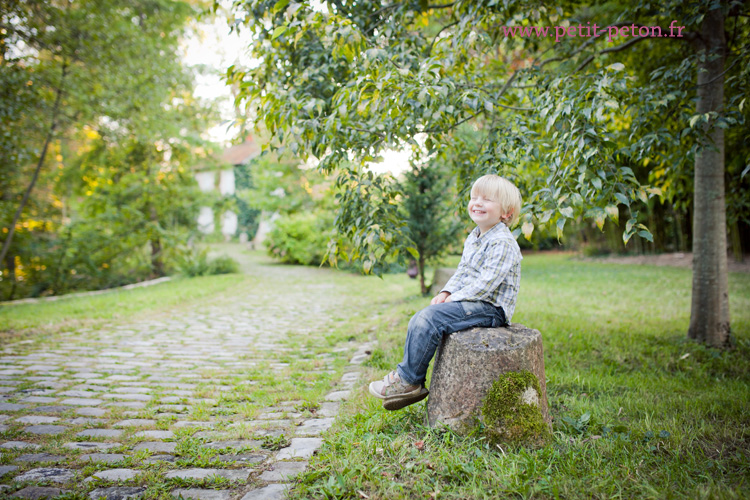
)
(396, 393)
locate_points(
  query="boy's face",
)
(484, 212)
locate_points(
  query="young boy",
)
(482, 292)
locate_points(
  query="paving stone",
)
(270, 492)
(245, 458)
(34, 419)
(12, 407)
(40, 457)
(113, 475)
(82, 401)
(231, 474)
(283, 471)
(86, 421)
(235, 444)
(127, 404)
(4, 428)
(338, 395)
(314, 426)
(117, 493)
(156, 447)
(187, 423)
(159, 458)
(52, 474)
(88, 445)
(136, 422)
(300, 448)
(10, 445)
(201, 494)
(38, 399)
(106, 458)
(3, 418)
(91, 412)
(89, 389)
(45, 430)
(172, 408)
(155, 434)
(52, 409)
(4, 469)
(130, 397)
(5, 390)
(80, 394)
(38, 492)
(107, 433)
(328, 409)
(133, 390)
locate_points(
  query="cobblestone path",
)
(227, 401)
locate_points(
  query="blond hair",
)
(501, 190)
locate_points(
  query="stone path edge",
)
(53, 298)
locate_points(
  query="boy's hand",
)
(440, 298)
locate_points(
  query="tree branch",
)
(611, 49)
(429, 50)
(50, 135)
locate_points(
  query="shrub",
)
(196, 262)
(300, 238)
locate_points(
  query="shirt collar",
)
(494, 229)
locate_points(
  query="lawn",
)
(639, 411)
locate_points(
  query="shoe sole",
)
(399, 401)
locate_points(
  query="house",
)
(223, 181)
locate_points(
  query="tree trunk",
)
(10, 264)
(422, 284)
(157, 265)
(709, 315)
(50, 136)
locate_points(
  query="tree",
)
(77, 77)
(430, 217)
(565, 114)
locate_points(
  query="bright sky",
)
(215, 48)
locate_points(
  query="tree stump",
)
(467, 365)
(442, 275)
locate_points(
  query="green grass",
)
(639, 411)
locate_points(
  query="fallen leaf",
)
(419, 445)
(361, 493)
(685, 355)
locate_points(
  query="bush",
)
(301, 238)
(196, 263)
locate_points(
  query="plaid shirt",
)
(489, 271)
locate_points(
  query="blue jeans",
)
(428, 326)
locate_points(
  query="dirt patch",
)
(679, 259)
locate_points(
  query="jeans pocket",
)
(472, 308)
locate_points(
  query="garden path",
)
(212, 404)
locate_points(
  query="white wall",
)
(206, 220)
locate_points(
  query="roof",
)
(241, 153)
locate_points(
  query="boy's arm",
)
(452, 283)
(501, 256)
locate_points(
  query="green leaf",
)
(278, 32)
(560, 226)
(646, 234)
(616, 67)
(622, 199)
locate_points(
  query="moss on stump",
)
(510, 411)
(479, 376)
